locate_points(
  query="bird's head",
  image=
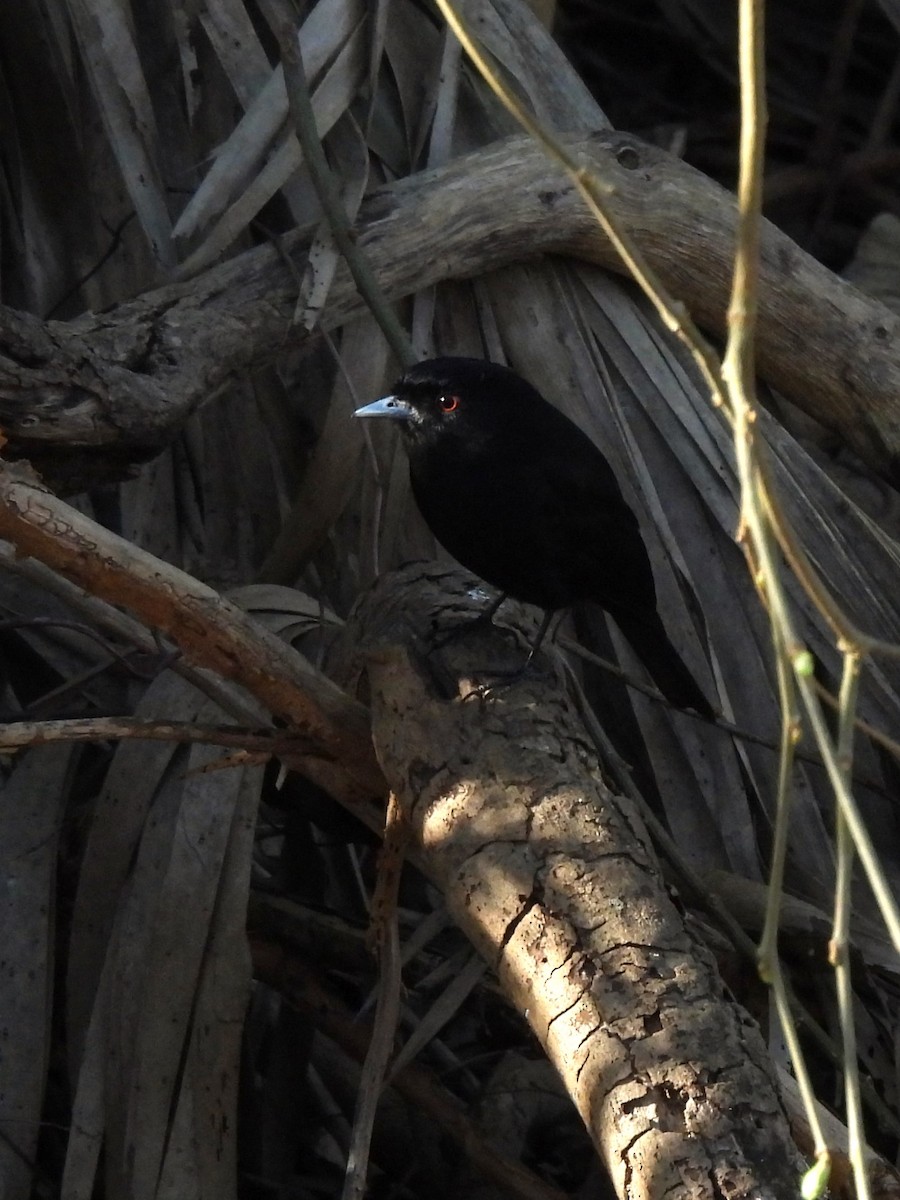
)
(449, 395)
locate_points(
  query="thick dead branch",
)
(210, 631)
(550, 874)
(123, 381)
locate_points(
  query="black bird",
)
(521, 496)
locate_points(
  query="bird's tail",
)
(649, 640)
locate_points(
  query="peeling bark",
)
(551, 875)
(118, 385)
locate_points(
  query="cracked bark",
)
(550, 874)
(116, 386)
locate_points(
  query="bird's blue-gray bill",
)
(388, 406)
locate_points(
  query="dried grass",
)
(179, 117)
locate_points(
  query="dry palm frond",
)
(177, 116)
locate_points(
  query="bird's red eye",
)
(449, 404)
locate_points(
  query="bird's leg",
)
(488, 614)
(541, 634)
(485, 617)
(506, 678)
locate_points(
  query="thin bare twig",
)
(387, 1007)
(16, 735)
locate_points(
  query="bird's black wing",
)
(589, 531)
(600, 546)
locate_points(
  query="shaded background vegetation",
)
(269, 489)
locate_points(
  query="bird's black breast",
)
(523, 498)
